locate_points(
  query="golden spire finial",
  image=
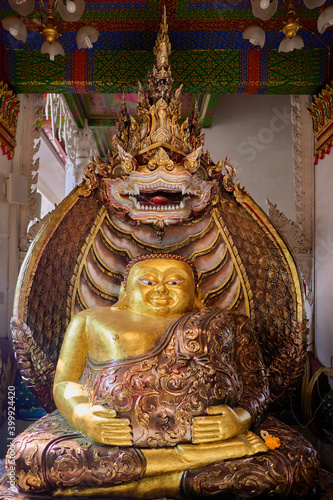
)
(159, 112)
(162, 48)
(160, 80)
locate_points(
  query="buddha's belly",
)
(159, 396)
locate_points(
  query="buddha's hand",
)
(222, 422)
(102, 425)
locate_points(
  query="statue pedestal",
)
(7, 494)
(325, 482)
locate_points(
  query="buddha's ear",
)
(122, 302)
(198, 301)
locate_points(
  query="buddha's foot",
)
(200, 455)
(167, 485)
(256, 444)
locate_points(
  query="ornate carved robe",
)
(206, 358)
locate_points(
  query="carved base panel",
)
(325, 491)
(58, 457)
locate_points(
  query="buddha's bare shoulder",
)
(104, 313)
(122, 320)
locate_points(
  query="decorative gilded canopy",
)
(322, 116)
(9, 109)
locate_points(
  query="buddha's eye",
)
(174, 282)
(148, 282)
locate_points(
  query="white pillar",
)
(86, 146)
(19, 215)
(70, 176)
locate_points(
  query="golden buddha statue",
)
(156, 398)
(169, 360)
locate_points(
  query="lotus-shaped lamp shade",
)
(24, 8)
(15, 27)
(53, 49)
(86, 36)
(255, 35)
(312, 4)
(264, 13)
(325, 19)
(71, 10)
(289, 44)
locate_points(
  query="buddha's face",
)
(161, 288)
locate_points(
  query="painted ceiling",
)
(209, 56)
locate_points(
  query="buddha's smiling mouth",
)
(161, 301)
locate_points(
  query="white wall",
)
(5, 169)
(51, 177)
(256, 131)
(324, 260)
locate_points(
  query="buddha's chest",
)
(162, 391)
(120, 338)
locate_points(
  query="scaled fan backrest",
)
(78, 258)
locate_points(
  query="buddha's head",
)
(160, 286)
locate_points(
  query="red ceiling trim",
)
(253, 71)
(80, 71)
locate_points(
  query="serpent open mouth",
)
(159, 195)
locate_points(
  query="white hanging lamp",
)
(86, 36)
(51, 46)
(71, 10)
(264, 9)
(24, 8)
(15, 27)
(53, 49)
(256, 35)
(292, 40)
(289, 44)
(325, 19)
(313, 4)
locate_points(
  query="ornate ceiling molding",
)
(79, 142)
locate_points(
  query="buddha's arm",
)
(95, 421)
(67, 391)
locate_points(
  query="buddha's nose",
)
(161, 287)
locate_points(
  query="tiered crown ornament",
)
(158, 173)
